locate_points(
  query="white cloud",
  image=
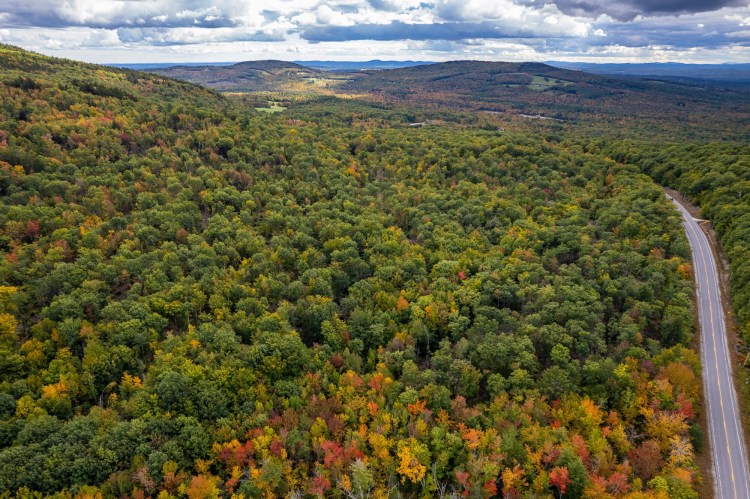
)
(116, 30)
(326, 15)
(742, 21)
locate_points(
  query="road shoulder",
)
(740, 375)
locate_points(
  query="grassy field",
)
(273, 107)
(541, 83)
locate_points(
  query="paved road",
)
(731, 478)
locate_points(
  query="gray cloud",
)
(113, 14)
(627, 10)
(348, 8)
(708, 31)
(192, 36)
(395, 6)
(405, 31)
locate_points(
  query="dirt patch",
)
(693, 210)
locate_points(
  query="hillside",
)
(253, 76)
(596, 104)
(201, 300)
(33, 72)
(594, 101)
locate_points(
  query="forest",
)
(614, 107)
(201, 300)
(714, 176)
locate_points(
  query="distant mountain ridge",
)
(248, 76)
(715, 72)
(323, 65)
(729, 72)
(361, 65)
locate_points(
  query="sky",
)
(144, 31)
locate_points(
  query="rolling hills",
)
(664, 109)
(252, 76)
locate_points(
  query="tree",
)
(410, 455)
(558, 477)
(646, 459)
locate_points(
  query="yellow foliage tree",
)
(203, 487)
(8, 325)
(410, 467)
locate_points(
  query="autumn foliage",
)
(199, 300)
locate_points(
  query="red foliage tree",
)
(559, 478)
(646, 459)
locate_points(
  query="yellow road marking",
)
(716, 363)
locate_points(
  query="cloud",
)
(399, 29)
(399, 5)
(446, 20)
(195, 35)
(701, 30)
(627, 10)
(115, 13)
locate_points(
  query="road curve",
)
(729, 456)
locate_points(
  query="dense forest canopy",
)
(198, 299)
(715, 176)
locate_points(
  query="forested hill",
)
(30, 71)
(252, 76)
(592, 103)
(202, 300)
